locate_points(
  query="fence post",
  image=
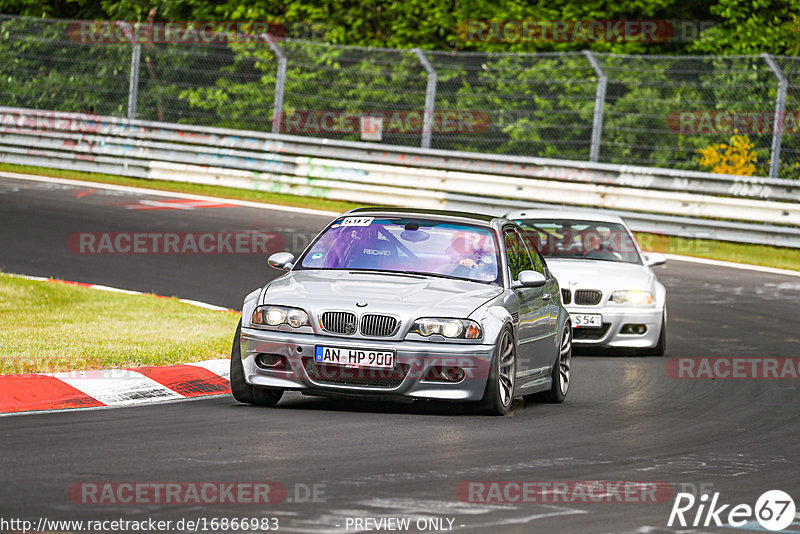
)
(599, 105)
(780, 111)
(133, 84)
(430, 98)
(280, 85)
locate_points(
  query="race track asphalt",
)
(625, 418)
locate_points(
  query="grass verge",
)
(51, 327)
(778, 257)
(782, 258)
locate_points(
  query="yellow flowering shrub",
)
(736, 157)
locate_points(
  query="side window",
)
(531, 238)
(538, 263)
(518, 258)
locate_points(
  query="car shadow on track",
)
(606, 352)
(297, 402)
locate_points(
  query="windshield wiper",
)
(450, 277)
(390, 273)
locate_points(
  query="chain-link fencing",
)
(683, 112)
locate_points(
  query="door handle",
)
(546, 296)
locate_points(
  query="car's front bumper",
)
(614, 318)
(414, 356)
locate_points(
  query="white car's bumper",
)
(612, 333)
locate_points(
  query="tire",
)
(499, 394)
(661, 346)
(241, 390)
(561, 374)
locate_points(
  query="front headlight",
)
(450, 328)
(278, 315)
(634, 297)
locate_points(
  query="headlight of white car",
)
(634, 297)
(278, 315)
(450, 328)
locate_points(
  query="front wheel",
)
(561, 373)
(500, 387)
(241, 390)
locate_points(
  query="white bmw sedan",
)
(607, 285)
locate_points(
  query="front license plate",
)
(587, 320)
(382, 359)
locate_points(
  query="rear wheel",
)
(499, 392)
(241, 390)
(561, 373)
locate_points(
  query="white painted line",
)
(205, 305)
(218, 367)
(115, 290)
(732, 265)
(26, 277)
(117, 387)
(196, 303)
(156, 192)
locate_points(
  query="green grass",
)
(779, 257)
(50, 327)
(783, 258)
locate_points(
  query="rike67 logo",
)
(774, 510)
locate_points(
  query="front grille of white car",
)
(378, 325)
(339, 322)
(566, 296)
(588, 297)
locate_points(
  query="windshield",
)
(591, 240)
(406, 245)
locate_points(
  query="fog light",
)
(442, 373)
(637, 329)
(273, 362)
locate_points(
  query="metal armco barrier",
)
(693, 204)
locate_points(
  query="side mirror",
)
(281, 260)
(652, 259)
(531, 279)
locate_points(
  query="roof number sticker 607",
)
(357, 221)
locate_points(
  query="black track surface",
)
(625, 419)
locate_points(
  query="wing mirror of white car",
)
(531, 279)
(652, 259)
(281, 260)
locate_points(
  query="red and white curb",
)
(113, 387)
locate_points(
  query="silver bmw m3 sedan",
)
(403, 303)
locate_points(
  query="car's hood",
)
(602, 275)
(319, 290)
